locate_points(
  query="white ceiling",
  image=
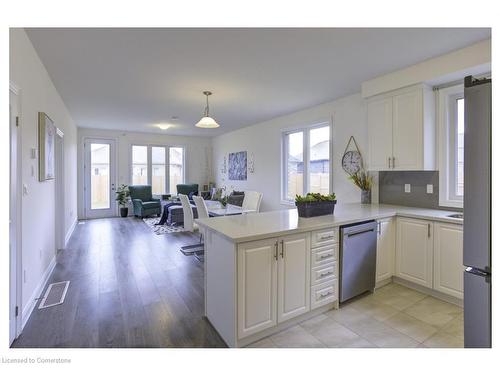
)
(130, 79)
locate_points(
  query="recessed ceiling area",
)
(134, 79)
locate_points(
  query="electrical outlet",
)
(430, 188)
(407, 188)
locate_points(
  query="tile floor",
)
(392, 317)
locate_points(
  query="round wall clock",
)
(351, 162)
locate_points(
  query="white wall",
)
(263, 141)
(38, 94)
(198, 155)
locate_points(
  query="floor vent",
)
(55, 294)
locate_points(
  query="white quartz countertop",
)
(255, 226)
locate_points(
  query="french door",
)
(100, 178)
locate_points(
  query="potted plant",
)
(362, 180)
(315, 204)
(122, 195)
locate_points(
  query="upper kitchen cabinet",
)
(401, 130)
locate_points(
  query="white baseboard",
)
(28, 309)
(70, 232)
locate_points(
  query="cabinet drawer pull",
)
(326, 237)
(324, 295)
(325, 256)
(323, 274)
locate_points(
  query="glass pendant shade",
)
(207, 122)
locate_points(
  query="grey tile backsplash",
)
(392, 188)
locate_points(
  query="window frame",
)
(306, 157)
(150, 163)
(447, 129)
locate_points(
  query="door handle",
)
(282, 249)
(393, 162)
(276, 250)
(360, 232)
(428, 229)
(389, 162)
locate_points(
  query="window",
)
(158, 166)
(139, 165)
(306, 161)
(451, 146)
(176, 167)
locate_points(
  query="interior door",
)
(100, 180)
(13, 220)
(294, 272)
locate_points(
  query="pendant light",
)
(207, 121)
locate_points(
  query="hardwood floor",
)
(129, 288)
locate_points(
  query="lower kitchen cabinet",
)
(257, 286)
(386, 243)
(414, 250)
(294, 275)
(448, 259)
(273, 282)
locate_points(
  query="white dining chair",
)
(252, 201)
(187, 211)
(201, 207)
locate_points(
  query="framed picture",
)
(46, 147)
(238, 165)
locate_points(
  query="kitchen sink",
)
(456, 216)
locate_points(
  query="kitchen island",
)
(267, 271)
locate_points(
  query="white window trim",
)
(284, 183)
(150, 162)
(446, 138)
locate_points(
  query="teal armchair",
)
(187, 188)
(143, 201)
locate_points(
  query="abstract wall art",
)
(238, 166)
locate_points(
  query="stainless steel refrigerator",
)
(477, 213)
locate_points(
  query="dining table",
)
(215, 209)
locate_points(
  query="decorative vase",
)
(123, 211)
(366, 196)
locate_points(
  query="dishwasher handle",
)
(352, 234)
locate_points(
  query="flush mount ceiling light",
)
(163, 126)
(206, 121)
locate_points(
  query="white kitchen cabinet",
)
(273, 282)
(448, 259)
(386, 244)
(379, 120)
(293, 276)
(401, 130)
(414, 250)
(257, 286)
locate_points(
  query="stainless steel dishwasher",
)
(358, 258)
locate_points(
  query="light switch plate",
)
(407, 188)
(430, 188)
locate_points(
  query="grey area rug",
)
(161, 229)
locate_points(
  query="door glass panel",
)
(295, 164)
(139, 165)
(176, 170)
(319, 160)
(158, 172)
(99, 172)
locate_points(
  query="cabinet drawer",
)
(324, 237)
(324, 273)
(323, 294)
(323, 255)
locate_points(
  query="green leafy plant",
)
(362, 180)
(122, 195)
(314, 197)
